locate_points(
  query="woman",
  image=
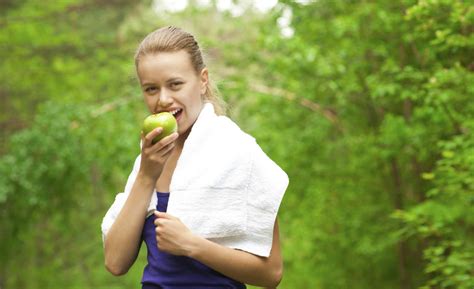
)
(174, 78)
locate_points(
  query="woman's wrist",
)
(146, 179)
(195, 246)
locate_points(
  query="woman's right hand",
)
(154, 156)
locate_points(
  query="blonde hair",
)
(171, 39)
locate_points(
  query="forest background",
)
(367, 105)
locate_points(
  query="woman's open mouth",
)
(177, 113)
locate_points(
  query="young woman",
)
(174, 78)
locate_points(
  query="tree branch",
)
(329, 114)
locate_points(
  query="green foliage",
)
(368, 107)
(445, 220)
(66, 51)
(391, 80)
(53, 179)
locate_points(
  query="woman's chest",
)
(163, 182)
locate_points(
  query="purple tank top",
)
(166, 271)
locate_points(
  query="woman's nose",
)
(163, 101)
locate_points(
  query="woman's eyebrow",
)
(147, 84)
(174, 79)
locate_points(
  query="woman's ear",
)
(204, 80)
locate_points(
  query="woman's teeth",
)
(174, 112)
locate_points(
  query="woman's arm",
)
(122, 242)
(175, 238)
(241, 265)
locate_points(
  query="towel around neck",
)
(224, 187)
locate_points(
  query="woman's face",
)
(170, 83)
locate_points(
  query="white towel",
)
(224, 187)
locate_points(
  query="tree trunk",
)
(402, 246)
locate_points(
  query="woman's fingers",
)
(164, 146)
(166, 150)
(163, 215)
(142, 139)
(159, 214)
(172, 236)
(151, 135)
(164, 142)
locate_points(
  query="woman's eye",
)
(150, 89)
(175, 84)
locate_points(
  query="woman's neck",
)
(182, 138)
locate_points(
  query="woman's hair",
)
(171, 39)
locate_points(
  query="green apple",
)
(164, 120)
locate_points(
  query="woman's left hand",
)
(172, 236)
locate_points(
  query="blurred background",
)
(367, 105)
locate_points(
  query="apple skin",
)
(164, 120)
